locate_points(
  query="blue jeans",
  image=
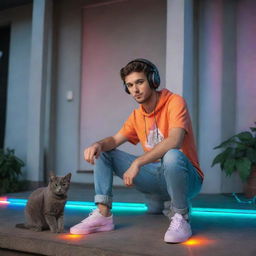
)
(173, 179)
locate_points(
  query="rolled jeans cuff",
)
(103, 199)
(184, 211)
(180, 211)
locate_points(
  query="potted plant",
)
(10, 170)
(239, 154)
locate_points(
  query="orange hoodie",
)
(151, 128)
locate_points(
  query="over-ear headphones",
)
(152, 76)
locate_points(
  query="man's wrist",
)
(137, 162)
(98, 144)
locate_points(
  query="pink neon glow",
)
(3, 200)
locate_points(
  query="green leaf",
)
(253, 129)
(243, 167)
(230, 166)
(220, 158)
(226, 143)
(244, 136)
(10, 170)
(19, 161)
(241, 146)
(240, 153)
(251, 154)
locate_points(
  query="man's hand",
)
(93, 152)
(130, 174)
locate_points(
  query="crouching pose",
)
(167, 171)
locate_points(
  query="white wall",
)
(246, 65)
(18, 76)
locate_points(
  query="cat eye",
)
(64, 184)
(56, 184)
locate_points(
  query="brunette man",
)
(169, 168)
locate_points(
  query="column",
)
(181, 53)
(37, 90)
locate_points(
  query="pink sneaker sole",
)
(92, 230)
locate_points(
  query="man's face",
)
(138, 86)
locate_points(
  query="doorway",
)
(4, 62)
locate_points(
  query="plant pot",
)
(250, 186)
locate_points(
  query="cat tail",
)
(21, 225)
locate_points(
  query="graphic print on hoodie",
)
(151, 128)
(154, 135)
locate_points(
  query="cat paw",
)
(37, 229)
(53, 230)
(62, 230)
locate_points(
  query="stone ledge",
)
(52, 248)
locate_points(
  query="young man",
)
(169, 168)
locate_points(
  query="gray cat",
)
(45, 206)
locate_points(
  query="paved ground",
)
(136, 233)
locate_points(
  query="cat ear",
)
(52, 176)
(68, 177)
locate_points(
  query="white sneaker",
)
(94, 223)
(179, 230)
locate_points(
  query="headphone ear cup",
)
(155, 79)
(150, 80)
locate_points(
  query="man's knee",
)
(104, 159)
(173, 162)
(172, 157)
(106, 155)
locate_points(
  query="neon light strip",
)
(4, 202)
(86, 205)
(119, 206)
(223, 210)
(225, 214)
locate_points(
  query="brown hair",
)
(135, 66)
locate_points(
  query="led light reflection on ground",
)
(198, 241)
(71, 237)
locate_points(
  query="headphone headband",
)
(144, 61)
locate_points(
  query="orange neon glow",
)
(195, 241)
(71, 237)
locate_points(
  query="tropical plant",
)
(10, 171)
(239, 153)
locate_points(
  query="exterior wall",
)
(224, 100)
(18, 77)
